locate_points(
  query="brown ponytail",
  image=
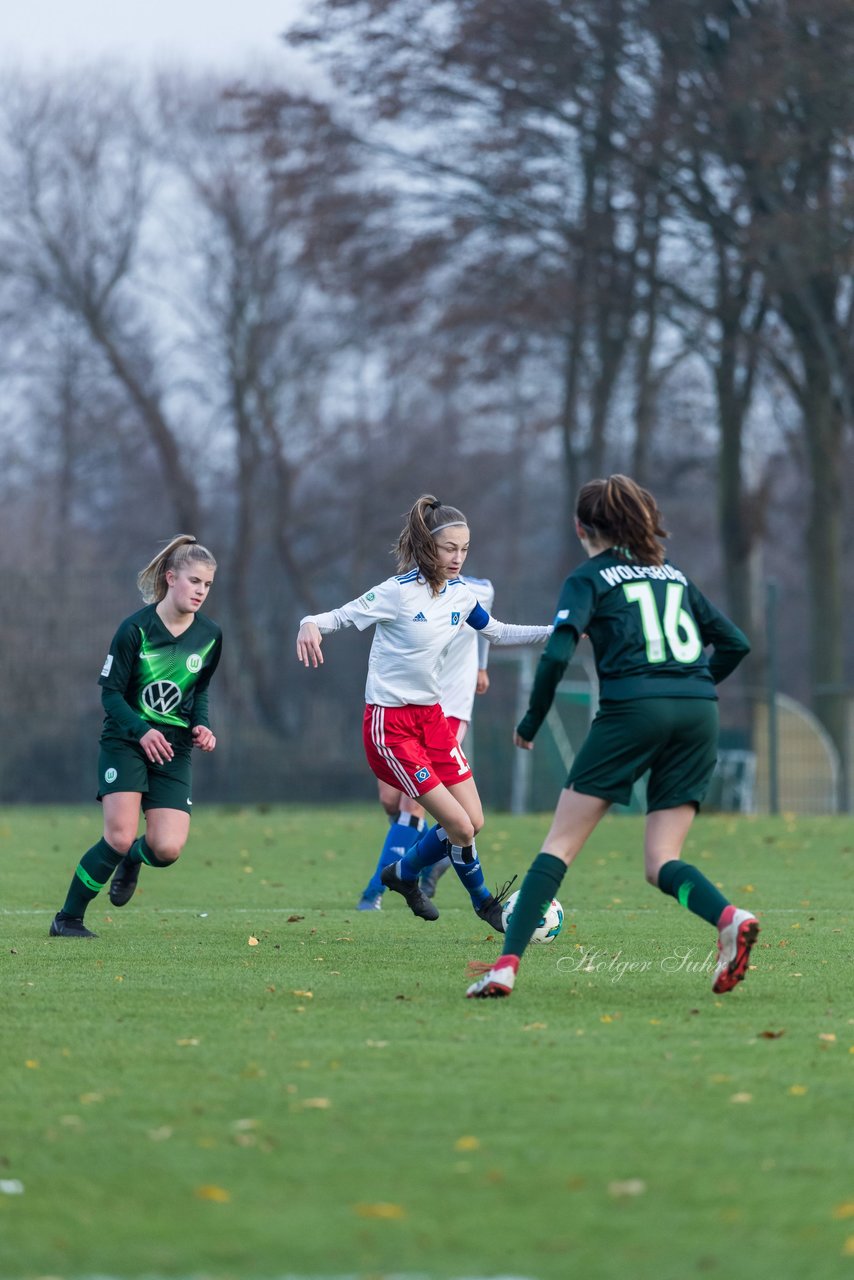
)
(416, 545)
(619, 511)
(179, 551)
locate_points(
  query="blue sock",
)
(466, 863)
(401, 836)
(429, 849)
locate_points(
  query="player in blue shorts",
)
(649, 626)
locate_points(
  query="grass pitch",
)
(244, 1078)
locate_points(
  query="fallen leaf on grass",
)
(188, 1040)
(797, 1090)
(828, 1036)
(742, 1097)
(293, 919)
(377, 1044)
(307, 995)
(538, 1026)
(630, 1187)
(844, 1210)
(209, 1192)
(772, 1035)
(253, 941)
(467, 1143)
(32, 1064)
(316, 1104)
(848, 1248)
(383, 1209)
(160, 1135)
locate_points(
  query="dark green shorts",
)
(122, 766)
(676, 739)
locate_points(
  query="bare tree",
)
(72, 209)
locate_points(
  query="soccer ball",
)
(548, 928)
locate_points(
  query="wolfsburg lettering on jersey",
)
(615, 574)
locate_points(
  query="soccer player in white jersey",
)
(463, 675)
(407, 739)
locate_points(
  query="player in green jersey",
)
(154, 690)
(649, 627)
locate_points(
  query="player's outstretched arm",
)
(309, 641)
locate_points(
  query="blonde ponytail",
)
(179, 551)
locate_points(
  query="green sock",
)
(141, 851)
(691, 888)
(94, 870)
(540, 885)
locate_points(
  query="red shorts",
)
(413, 748)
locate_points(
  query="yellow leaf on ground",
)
(208, 1192)
(797, 1090)
(848, 1248)
(742, 1097)
(844, 1210)
(307, 995)
(467, 1143)
(317, 1104)
(828, 1036)
(253, 941)
(380, 1210)
(32, 1064)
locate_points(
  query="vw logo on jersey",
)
(194, 662)
(455, 617)
(162, 696)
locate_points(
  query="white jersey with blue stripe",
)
(468, 653)
(414, 630)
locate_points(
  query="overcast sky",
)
(215, 33)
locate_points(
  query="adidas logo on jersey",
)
(419, 617)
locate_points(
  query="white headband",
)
(447, 525)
